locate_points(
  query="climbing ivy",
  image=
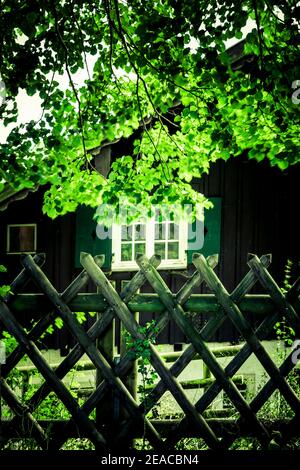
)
(4, 289)
(283, 331)
(139, 349)
(161, 72)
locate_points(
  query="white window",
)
(165, 237)
(21, 238)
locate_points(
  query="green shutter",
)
(212, 236)
(86, 237)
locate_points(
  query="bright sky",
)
(30, 106)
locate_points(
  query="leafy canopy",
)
(162, 72)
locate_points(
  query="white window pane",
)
(126, 232)
(126, 252)
(173, 232)
(140, 232)
(139, 249)
(173, 250)
(160, 249)
(160, 231)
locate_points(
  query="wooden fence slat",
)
(22, 278)
(38, 304)
(223, 351)
(245, 329)
(22, 411)
(262, 330)
(176, 312)
(196, 280)
(12, 360)
(123, 366)
(96, 330)
(275, 293)
(78, 283)
(91, 350)
(165, 427)
(196, 417)
(17, 284)
(34, 354)
(189, 353)
(209, 329)
(270, 386)
(132, 327)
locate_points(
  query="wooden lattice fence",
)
(107, 434)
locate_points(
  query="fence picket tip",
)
(113, 376)
(83, 255)
(213, 260)
(250, 257)
(24, 257)
(155, 260)
(99, 260)
(141, 257)
(40, 258)
(198, 256)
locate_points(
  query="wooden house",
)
(255, 211)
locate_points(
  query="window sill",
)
(134, 267)
(21, 253)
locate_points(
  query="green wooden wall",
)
(87, 240)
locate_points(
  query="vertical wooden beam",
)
(131, 380)
(206, 375)
(132, 374)
(105, 344)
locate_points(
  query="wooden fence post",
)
(132, 378)
(105, 343)
(128, 420)
(131, 381)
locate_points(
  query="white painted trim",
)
(179, 263)
(8, 239)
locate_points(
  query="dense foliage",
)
(161, 70)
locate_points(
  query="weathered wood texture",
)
(112, 378)
(258, 216)
(37, 304)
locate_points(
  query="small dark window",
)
(21, 238)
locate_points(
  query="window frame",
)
(178, 263)
(8, 239)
